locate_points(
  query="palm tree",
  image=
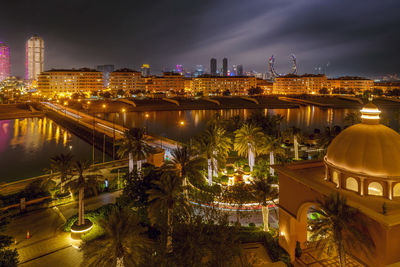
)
(337, 226)
(162, 199)
(121, 245)
(352, 118)
(135, 147)
(80, 184)
(329, 134)
(247, 140)
(263, 192)
(186, 164)
(63, 164)
(273, 146)
(220, 144)
(295, 133)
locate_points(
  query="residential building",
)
(66, 82)
(350, 84)
(168, 83)
(106, 70)
(266, 85)
(4, 61)
(126, 80)
(239, 70)
(215, 85)
(295, 84)
(34, 61)
(387, 86)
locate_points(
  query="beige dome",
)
(367, 148)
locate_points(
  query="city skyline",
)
(350, 38)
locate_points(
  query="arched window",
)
(335, 177)
(375, 189)
(396, 190)
(352, 184)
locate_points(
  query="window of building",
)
(375, 189)
(396, 190)
(352, 184)
(335, 177)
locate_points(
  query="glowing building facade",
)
(34, 57)
(4, 61)
(126, 80)
(216, 85)
(62, 83)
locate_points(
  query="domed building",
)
(363, 164)
(365, 157)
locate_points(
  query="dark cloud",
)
(356, 37)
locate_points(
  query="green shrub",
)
(92, 215)
(246, 168)
(230, 170)
(252, 225)
(224, 179)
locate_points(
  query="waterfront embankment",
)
(18, 111)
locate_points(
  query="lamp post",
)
(114, 136)
(93, 128)
(104, 135)
(181, 125)
(147, 126)
(124, 117)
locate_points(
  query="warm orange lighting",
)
(181, 123)
(88, 102)
(104, 105)
(79, 100)
(146, 115)
(65, 103)
(123, 110)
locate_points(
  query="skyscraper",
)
(213, 66)
(225, 67)
(145, 70)
(4, 61)
(239, 70)
(34, 57)
(106, 70)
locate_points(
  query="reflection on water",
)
(166, 123)
(27, 144)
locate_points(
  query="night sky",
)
(354, 37)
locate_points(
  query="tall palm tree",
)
(186, 164)
(121, 245)
(337, 226)
(329, 134)
(352, 118)
(295, 133)
(263, 192)
(247, 140)
(273, 146)
(162, 199)
(63, 164)
(80, 184)
(220, 143)
(134, 146)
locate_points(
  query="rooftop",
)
(312, 173)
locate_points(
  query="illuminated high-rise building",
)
(213, 66)
(239, 70)
(145, 70)
(34, 57)
(225, 67)
(4, 61)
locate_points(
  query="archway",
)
(304, 214)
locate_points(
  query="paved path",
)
(48, 244)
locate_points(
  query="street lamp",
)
(104, 134)
(123, 119)
(181, 125)
(147, 126)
